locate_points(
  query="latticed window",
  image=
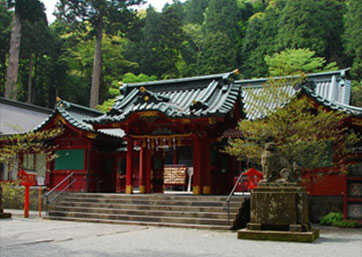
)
(29, 162)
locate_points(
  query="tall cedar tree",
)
(259, 39)
(221, 19)
(36, 44)
(103, 15)
(194, 11)
(25, 10)
(5, 21)
(353, 36)
(317, 25)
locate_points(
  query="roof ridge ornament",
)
(198, 105)
(62, 104)
(147, 96)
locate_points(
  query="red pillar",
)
(142, 169)
(148, 164)
(205, 167)
(129, 189)
(196, 184)
(26, 201)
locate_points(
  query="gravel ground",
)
(36, 237)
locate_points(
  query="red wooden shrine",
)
(182, 122)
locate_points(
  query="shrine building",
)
(168, 136)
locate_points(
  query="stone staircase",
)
(209, 212)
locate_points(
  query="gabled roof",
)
(27, 106)
(18, 117)
(354, 110)
(194, 97)
(331, 89)
(74, 114)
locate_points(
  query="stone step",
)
(142, 223)
(235, 198)
(183, 220)
(209, 215)
(146, 207)
(151, 201)
(151, 209)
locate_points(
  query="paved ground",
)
(37, 237)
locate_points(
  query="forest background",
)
(189, 38)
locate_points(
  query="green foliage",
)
(220, 47)
(218, 54)
(331, 218)
(294, 61)
(132, 78)
(13, 196)
(187, 38)
(194, 11)
(346, 224)
(5, 20)
(317, 25)
(113, 91)
(30, 142)
(303, 133)
(259, 39)
(356, 94)
(336, 219)
(352, 36)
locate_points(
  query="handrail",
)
(60, 183)
(228, 199)
(46, 195)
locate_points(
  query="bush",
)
(346, 224)
(13, 196)
(336, 219)
(331, 218)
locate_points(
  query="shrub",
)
(331, 218)
(336, 219)
(13, 196)
(346, 224)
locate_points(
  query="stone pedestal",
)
(279, 212)
(2, 214)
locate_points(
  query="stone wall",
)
(322, 205)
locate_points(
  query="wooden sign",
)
(174, 174)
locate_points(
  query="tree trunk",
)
(30, 78)
(97, 66)
(13, 66)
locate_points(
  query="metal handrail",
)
(46, 195)
(228, 199)
(60, 183)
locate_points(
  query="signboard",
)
(174, 174)
(70, 159)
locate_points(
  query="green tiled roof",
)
(72, 113)
(194, 97)
(75, 115)
(331, 89)
(353, 110)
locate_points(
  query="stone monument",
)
(279, 205)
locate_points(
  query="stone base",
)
(5, 215)
(290, 236)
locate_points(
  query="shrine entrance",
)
(170, 127)
(159, 164)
